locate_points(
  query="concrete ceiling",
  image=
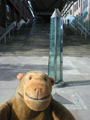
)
(45, 8)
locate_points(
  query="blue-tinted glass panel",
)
(54, 68)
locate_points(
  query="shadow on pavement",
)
(73, 83)
(9, 72)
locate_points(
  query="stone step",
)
(76, 46)
(34, 44)
(26, 44)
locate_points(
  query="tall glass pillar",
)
(55, 69)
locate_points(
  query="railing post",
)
(9, 34)
(13, 31)
(85, 34)
(81, 33)
(8, 31)
(5, 39)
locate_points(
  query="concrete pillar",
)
(4, 17)
(81, 7)
(20, 8)
(13, 13)
(89, 10)
(73, 10)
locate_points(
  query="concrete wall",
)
(79, 11)
(13, 10)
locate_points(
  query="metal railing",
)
(12, 24)
(73, 28)
(28, 21)
(8, 30)
(2, 30)
(83, 30)
(20, 24)
(82, 25)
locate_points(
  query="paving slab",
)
(11, 66)
(74, 96)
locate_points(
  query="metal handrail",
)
(73, 26)
(82, 32)
(83, 28)
(20, 24)
(28, 20)
(3, 28)
(12, 24)
(8, 31)
(2, 31)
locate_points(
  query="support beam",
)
(89, 10)
(68, 7)
(4, 17)
(13, 13)
(44, 13)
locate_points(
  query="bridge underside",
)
(44, 8)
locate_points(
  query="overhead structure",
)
(65, 9)
(44, 8)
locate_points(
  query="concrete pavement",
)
(75, 95)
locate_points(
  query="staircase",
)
(76, 46)
(68, 30)
(32, 40)
(40, 36)
(40, 29)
